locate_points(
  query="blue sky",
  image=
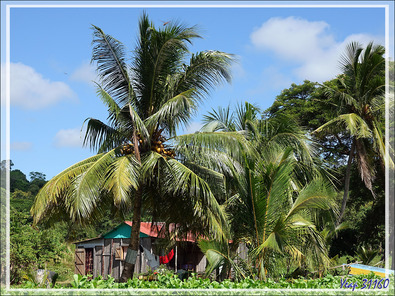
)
(52, 92)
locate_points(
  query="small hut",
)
(105, 255)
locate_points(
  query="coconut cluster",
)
(157, 145)
(127, 148)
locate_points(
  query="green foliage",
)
(146, 106)
(353, 105)
(21, 201)
(37, 181)
(32, 248)
(308, 105)
(303, 103)
(171, 281)
(365, 217)
(147, 102)
(276, 193)
(18, 181)
(366, 254)
(222, 254)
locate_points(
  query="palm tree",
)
(274, 193)
(137, 166)
(276, 218)
(360, 96)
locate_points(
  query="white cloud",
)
(69, 138)
(30, 90)
(307, 44)
(85, 73)
(292, 38)
(193, 127)
(21, 146)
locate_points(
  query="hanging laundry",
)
(166, 259)
(151, 258)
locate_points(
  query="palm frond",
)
(316, 194)
(109, 54)
(205, 70)
(365, 164)
(99, 136)
(219, 254)
(246, 113)
(218, 120)
(206, 206)
(122, 176)
(176, 111)
(215, 179)
(351, 122)
(349, 61)
(138, 123)
(57, 189)
(86, 186)
(233, 143)
(159, 53)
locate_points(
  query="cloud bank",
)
(30, 90)
(85, 73)
(307, 44)
(69, 138)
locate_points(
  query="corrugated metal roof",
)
(87, 240)
(147, 229)
(156, 229)
(122, 231)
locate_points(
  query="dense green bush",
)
(32, 248)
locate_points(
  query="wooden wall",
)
(201, 262)
(108, 255)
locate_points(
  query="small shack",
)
(105, 255)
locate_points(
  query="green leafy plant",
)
(366, 254)
(171, 281)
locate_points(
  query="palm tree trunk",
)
(347, 182)
(133, 247)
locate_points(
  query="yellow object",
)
(356, 269)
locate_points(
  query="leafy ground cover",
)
(172, 281)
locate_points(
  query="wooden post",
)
(120, 262)
(102, 260)
(111, 251)
(176, 258)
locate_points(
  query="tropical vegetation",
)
(359, 95)
(277, 195)
(136, 167)
(299, 185)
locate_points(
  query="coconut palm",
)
(279, 131)
(272, 216)
(137, 167)
(276, 218)
(274, 192)
(360, 96)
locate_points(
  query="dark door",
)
(89, 261)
